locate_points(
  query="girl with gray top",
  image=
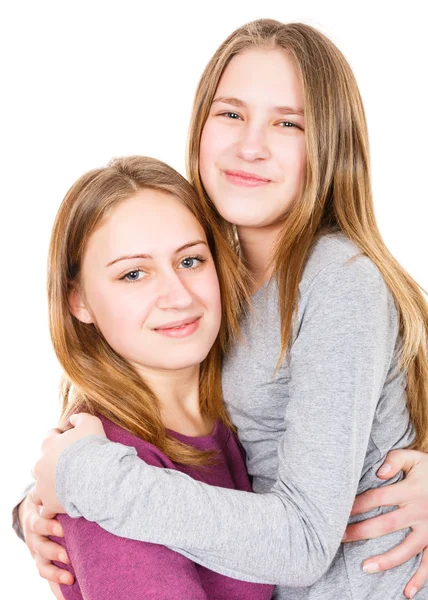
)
(331, 371)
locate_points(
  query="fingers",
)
(399, 460)
(49, 571)
(80, 418)
(389, 495)
(377, 526)
(34, 497)
(34, 523)
(46, 513)
(56, 590)
(49, 550)
(410, 547)
(50, 434)
(419, 578)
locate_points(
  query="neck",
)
(257, 245)
(178, 395)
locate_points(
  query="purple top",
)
(106, 566)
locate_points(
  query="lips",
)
(246, 179)
(177, 324)
(179, 329)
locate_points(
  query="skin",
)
(129, 301)
(258, 134)
(250, 135)
(149, 266)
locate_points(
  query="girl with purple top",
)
(333, 370)
(134, 280)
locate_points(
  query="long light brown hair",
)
(96, 378)
(336, 191)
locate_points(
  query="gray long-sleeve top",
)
(315, 434)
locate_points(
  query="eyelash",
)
(198, 258)
(227, 113)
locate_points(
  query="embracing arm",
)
(290, 535)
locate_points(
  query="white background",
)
(82, 82)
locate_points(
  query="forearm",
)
(288, 536)
(259, 538)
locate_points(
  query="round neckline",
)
(193, 438)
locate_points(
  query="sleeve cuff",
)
(16, 524)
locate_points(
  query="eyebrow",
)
(131, 256)
(283, 110)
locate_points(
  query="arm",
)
(411, 496)
(288, 536)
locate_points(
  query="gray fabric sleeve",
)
(290, 535)
(15, 512)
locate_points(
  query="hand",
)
(411, 496)
(56, 591)
(53, 445)
(36, 529)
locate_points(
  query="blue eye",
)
(231, 115)
(133, 275)
(191, 262)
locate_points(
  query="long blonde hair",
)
(336, 191)
(96, 378)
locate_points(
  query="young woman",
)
(135, 313)
(332, 370)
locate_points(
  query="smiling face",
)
(149, 284)
(253, 151)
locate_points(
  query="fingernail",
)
(371, 568)
(413, 592)
(57, 530)
(64, 578)
(384, 470)
(62, 557)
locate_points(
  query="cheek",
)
(293, 161)
(300, 156)
(213, 145)
(118, 311)
(204, 154)
(211, 296)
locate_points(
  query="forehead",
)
(149, 222)
(267, 74)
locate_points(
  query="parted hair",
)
(97, 379)
(336, 192)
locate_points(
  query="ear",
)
(78, 308)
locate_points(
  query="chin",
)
(178, 365)
(182, 360)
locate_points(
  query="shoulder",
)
(340, 282)
(337, 261)
(146, 451)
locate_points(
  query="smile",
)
(179, 329)
(244, 179)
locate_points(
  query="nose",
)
(253, 143)
(173, 293)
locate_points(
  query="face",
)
(253, 151)
(149, 284)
